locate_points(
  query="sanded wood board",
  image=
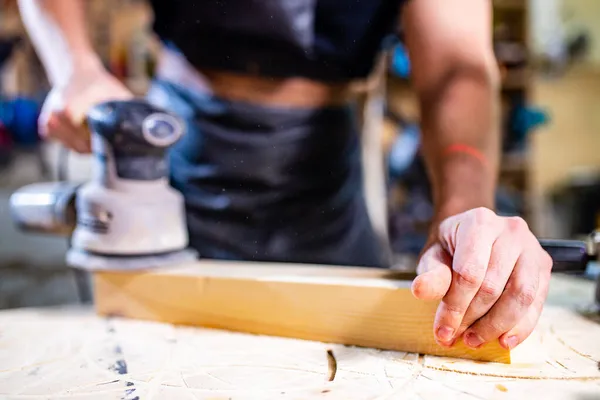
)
(353, 306)
(60, 353)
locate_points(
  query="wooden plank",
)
(353, 306)
(59, 353)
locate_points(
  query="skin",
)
(489, 272)
(79, 81)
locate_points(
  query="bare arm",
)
(456, 79)
(57, 30)
(79, 80)
(490, 272)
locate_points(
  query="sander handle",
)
(568, 256)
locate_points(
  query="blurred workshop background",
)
(549, 54)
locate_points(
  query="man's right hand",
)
(64, 109)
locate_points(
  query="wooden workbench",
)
(69, 353)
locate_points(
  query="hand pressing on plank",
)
(491, 275)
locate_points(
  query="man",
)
(270, 166)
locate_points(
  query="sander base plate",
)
(80, 259)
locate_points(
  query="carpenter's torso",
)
(329, 40)
(270, 165)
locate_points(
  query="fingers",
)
(527, 324)
(65, 107)
(472, 239)
(513, 305)
(435, 274)
(499, 279)
(505, 254)
(57, 125)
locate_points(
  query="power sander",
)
(127, 216)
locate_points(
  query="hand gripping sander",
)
(127, 216)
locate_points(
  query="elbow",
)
(491, 73)
(484, 70)
(483, 73)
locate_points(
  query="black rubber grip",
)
(569, 256)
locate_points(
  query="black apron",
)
(326, 40)
(270, 184)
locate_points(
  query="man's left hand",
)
(491, 275)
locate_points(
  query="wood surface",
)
(354, 306)
(56, 353)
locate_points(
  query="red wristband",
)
(466, 149)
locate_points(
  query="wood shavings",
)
(331, 365)
(501, 388)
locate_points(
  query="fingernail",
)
(445, 333)
(446, 344)
(473, 340)
(512, 342)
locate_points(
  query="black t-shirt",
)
(332, 40)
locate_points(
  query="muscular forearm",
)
(462, 113)
(57, 30)
(455, 74)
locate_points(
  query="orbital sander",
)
(127, 216)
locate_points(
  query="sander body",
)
(127, 216)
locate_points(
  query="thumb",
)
(435, 274)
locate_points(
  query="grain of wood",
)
(352, 306)
(58, 353)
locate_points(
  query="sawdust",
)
(501, 388)
(331, 365)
